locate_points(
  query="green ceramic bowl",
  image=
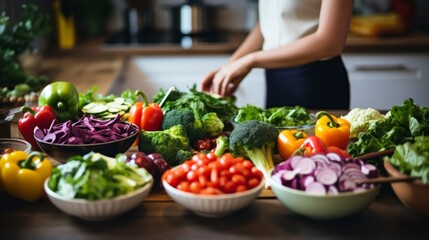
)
(323, 207)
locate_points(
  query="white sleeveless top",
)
(284, 21)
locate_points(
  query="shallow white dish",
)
(213, 205)
(99, 210)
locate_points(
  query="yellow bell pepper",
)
(333, 131)
(23, 175)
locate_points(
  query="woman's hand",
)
(225, 81)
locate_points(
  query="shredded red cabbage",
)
(87, 130)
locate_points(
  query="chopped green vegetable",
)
(277, 116)
(413, 158)
(212, 124)
(185, 117)
(95, 176)
(255, 140)
(200, 102)
(172, 144)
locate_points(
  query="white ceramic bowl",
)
(323, 207)
(213, 205)
(99, 210)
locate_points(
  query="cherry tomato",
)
(238, 179)
(229, 187)
(184, 186)
(253, 182)
(241, 188)
(195, 187)
(192, 176)
(172, 179)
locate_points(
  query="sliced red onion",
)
(320, 159)
(294, 160)
(334, 157)
(305, 181)
(326, 176)
(369, 170)
(332, 190)
(289, 175)
(336, 167)
(305, 166)
(316, 188)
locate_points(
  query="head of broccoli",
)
(168, 143)
(255, 140)
(186, 117)
(212, 124)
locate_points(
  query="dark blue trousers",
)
(317, 85)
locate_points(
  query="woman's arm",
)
(253, 42)
(327, 41)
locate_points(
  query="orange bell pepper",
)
(289, 141)
(332, 130)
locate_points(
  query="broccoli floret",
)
(168, 143)
(222, 144)
(183, 155)
(186, 117)
(212, 124)
(256, 141)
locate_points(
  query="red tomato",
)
(247, 164)
(229, 187)
(184, 186)
(211, 191)
(241, 188)
(256, 173)
(195, 187)
(172, 179)
(238, 179)
(211, 156)
(253, 182)
(192, 176)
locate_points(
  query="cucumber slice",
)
(113, 109)
(119, 100)
(88, 106)
(97, 109)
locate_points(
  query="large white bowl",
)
(213, 205)
(99, 210)
(323, 207)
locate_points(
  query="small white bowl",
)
(323, 207)
(99, 210)
(213, 205)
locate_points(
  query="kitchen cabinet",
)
(384, 80)
(377, 80)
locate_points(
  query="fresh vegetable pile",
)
(95, 176)
(87, 130)
(278, 116)
(324, 174)
(207, 174)
(413, 158)
(199, 102)
(402, 124)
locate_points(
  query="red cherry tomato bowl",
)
(213, 186)
(213, 205)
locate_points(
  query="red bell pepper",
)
(41, 116)
(147, 116)
(313, 145)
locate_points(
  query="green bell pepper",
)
(63, 97)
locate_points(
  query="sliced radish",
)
(316, 188)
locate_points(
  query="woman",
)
(299, 43)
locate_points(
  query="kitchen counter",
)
(158, 217)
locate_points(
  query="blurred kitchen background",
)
(176, 42)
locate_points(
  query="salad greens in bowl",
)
(285, 117)
(95, 187)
